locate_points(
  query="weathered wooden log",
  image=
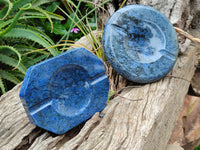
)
(127, 123)
(139, 118)
(180, 12)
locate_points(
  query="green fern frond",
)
(42, 34)
(25, 7)
(38, 59)
(8, 76)
(17, 74)
(3, 13)
(37, 3)
(75, 6)
(9, 7)
(50, 14)
(6, 23)
(19, 4)
(2, 86)
(32, 14)
(55, 16)
(29, 61)
(12, 62)
(12, 49)
(23, 48)
(45, 13)
(31, 35)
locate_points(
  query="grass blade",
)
(10, 5)
(12, 62)
(15, 19)
(2, 86)
(8, 76)
(14, 50)
(31, 35)
(37, 3)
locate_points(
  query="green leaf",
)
(35, 30)
(55, 16)
(5, 23)
(2, 86)
(8, 76)
(58, 28)
(29, 61)
(8, 8)
(69, 21)
(33, 14)
(37, 13)
(25, 7)
(53, 7)
(17, 74)
(93, 26)
(31, 35)
(110, 94)
(23, 48)
(69, 2)
(89, 5)
(37, 3)
(40, 58)
(20, 3)
(45, 13)
(197, 148)
(14, 50)
(3, 13)
(12, 62)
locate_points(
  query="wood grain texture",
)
(140, 125)
(14, 124)
(179, 12)
(127, 124)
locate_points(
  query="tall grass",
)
(34, 30)
(82, 22)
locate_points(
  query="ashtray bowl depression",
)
(140, 43)
(63, 91)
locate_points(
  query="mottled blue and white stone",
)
(62, 92)
(140, 43)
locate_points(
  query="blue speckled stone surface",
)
(61, 92)
(140, 43)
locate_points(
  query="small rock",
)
(101, 115)
(196, 81)
(187, 129)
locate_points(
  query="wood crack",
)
(172, 8)
(12, 135)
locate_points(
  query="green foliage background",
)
(34, 30)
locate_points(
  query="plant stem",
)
(25, 7)
(72, 24)
(83, 19)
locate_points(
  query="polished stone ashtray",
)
(140, 43)
(61, 92)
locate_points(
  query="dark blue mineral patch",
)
(62, 92)
(140, 43)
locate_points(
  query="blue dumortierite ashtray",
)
(140, 43)
(61, 92)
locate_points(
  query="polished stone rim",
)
(140, 43)
(61, 92)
